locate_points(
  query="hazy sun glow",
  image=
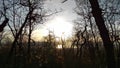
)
(59, 46)
(59, 26)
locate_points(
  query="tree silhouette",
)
(3, 24)
(97, 13)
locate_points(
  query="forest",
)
(91, 41)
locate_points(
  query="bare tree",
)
(33, 5)
(4, 23)
(97, 13)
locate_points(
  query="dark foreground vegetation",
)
(48, 56)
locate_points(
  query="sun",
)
(59, 26)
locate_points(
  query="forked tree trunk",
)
(96, 11)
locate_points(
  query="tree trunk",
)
(96, 11)
(3, 24)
